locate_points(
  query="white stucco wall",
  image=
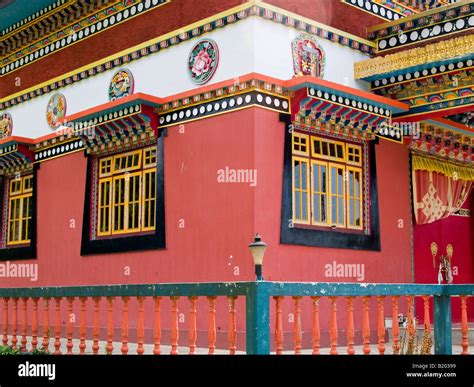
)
(251, 45)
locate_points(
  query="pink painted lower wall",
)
(454, 230)
(209, 223)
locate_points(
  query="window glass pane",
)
(296, 172)
(340, 186)
(334, 209)
(332, 150)
(304, 203)
(297, 205)
(351, 211)
(340, 211)
(316, 185)
(340, 151)
(357, 184)
(325, 149)
(304, 171)
(317, 147)
(317, 208)
(323, 208)
(358, 215)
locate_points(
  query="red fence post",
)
(82, 327)
(192, 325)
(5, 321)
(141, 326)
(15, 322)
(124, 348)
(366, 324)
(174, 326)
(395, 331)
(46, 334)
(34, 325)
(157, 329)
(315, 328)
(381, 325)
(232, 326)
(24, 324)
(110, 325)
(96, 327)
(212, 324)
(333, 326)
(350, 326)
(57, 326)
(70, 326)
(278, 326)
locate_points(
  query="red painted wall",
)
(220, 220)
(457, 231)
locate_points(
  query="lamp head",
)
(257, 248)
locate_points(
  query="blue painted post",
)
(258, 319)
(442, 325)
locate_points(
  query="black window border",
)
(293, 235)
(24, 252)
(153, 241)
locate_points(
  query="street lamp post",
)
(257, 248)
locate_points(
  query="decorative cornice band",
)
(422, 30)
(32, 18)
(194, 30)
(444, 50)
(79, 31)
(415, 75)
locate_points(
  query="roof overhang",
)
(15, 153)
(356, 113)
(130, 119)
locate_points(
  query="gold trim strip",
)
(445, 49)
(445, 167)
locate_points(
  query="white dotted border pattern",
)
(58, 150)
(425, 33)
(8, 149)
(393, 134)
(413, 75)
(122, 113)
(224, 105)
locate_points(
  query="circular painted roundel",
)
(203, 61)
(55, 110)
(6, 124)
(121, 85)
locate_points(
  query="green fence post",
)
(442, 325)
(258, 319)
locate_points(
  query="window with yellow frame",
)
(327, 183)
(20, 210)
(127, 193)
